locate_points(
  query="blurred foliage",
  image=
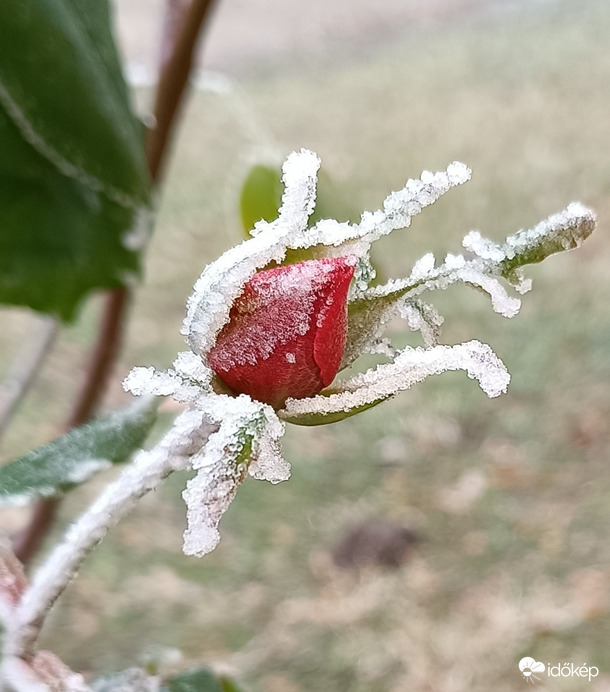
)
(74, 189)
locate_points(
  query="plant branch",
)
(23, 372)
(175, 72)
(102, 357)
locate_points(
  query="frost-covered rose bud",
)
(286, 332)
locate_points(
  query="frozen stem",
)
(185, 438)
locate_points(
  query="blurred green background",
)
(510, 497)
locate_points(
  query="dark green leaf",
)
(73, 178)
(313, 418)
(76, 456)
(228, 685)
(195, 680)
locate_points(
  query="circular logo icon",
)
(529, 666)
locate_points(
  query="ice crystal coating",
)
(248, 431)
(412, 365)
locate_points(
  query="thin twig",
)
(175, 72)
(26, 366)
(176, 65)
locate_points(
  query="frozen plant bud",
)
(286, 332)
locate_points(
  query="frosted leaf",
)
(483, 248)
(161, 383)
(501, 302)
(190, 366)
(423, 318)
(248, 430)
(422, 267)
(398, 208)
(150, 381)
(565, 230)
(299, 196)
(268, 463)
(207, 497)
(382, 347)
(410, 367)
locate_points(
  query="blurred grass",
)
(511, 495)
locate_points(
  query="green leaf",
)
(74, 188)
(197, 679)
(261, 196)
(312, 418)
(561, 232)
(366, 318)
(76, 456)
(228, 685)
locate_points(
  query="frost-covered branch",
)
(185, 439)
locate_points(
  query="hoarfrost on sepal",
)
(142, 381)
(424, 318)
(411, 366)
(247, 440)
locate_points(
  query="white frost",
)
(410, 367)
(247, 429)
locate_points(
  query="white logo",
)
(528, 666)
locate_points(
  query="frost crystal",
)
(247, 430)
(247, 435)
(409, 367)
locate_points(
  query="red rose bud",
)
(286, 332)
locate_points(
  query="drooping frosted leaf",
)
(246, 429)
(410, 367)
(76, 456)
